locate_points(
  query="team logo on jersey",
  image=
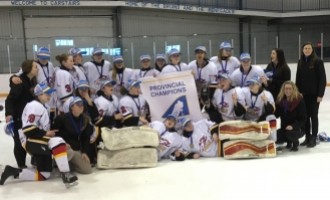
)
(178, 108)
(31, 118)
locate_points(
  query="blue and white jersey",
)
(138, 73)
(169, 141)
(105, 106)
(201, 140)
(121, 80)
(95, 73)
(223, 102)
(226, 66)
(239, 78)
(255, 104)
(170, 68)
(207, 74)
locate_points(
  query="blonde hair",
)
(115, 72)
(295, 92)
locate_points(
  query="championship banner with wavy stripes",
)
(174, 94)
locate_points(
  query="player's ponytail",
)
(61, 58)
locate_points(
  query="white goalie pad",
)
(244, 130)
(249, 149)
(127, 158)
(130, 137)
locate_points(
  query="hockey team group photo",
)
(82, 114)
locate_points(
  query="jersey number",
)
(67, 88)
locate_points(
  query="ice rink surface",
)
(300, 175)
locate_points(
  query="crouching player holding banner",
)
(40, 142)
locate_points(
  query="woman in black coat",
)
(311, 82)
(278, 72)
(19, 96)
(292, 111)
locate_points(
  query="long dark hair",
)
(27, 66)
(280, 57)
(312, 58)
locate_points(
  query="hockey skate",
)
(69, 179)
(7, 172)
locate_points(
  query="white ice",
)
(300, 175)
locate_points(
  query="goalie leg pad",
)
(249, 149)
(129, 137)
(127, 158)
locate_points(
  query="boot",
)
(312, 142)
(9, 171)
(288, 145)
(294, 147)
(69, 179)
(307, 139)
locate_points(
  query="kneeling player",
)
(40, 142)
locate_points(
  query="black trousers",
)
(289, 136)
(19, 151)
(312, 110)
(42, 156)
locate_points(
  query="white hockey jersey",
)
(255, 104)
(121, 80)
(207, 74)
(77, 75)
(105, 106)
(201, 140)
(223, 101)
(129, 105)
(64, 85)
(46, 74)
(169, 142)
(36, 114)
(240, 79)
(138, 73)
(96, 73)
(226, 66)
(175, 68)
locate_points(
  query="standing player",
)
(97, 70)
(145, 70)
(246, 71)
(40, 142)
(200, 138)
(160, 62)
(224, 61)
(175, 64)
(78, 59)
(205, 72)
(64, 82)
(121, 75)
